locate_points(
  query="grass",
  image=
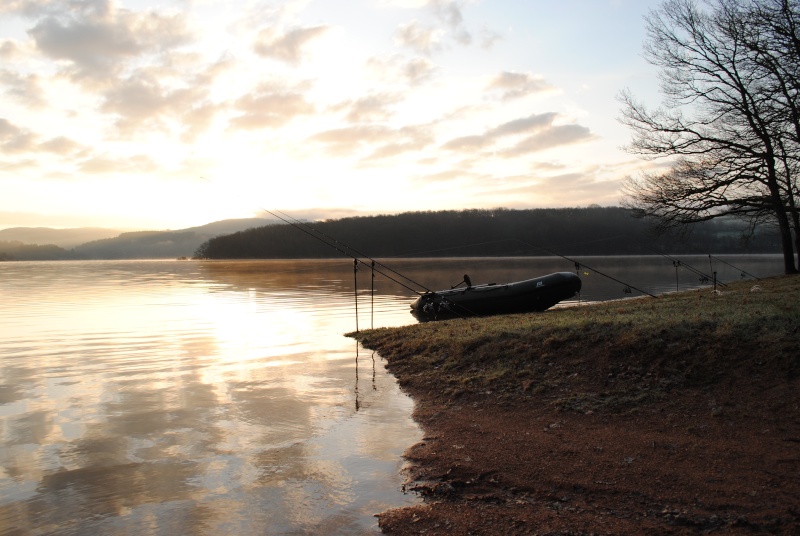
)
(612, 356)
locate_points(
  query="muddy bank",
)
(675, 415)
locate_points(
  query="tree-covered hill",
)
(498, 232)
(13, 250)
(104, 245)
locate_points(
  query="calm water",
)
(177, 398)
(167, 397)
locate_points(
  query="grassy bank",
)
(671, 415)
(612, 356)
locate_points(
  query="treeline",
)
(136, 245)
(13, 250)
(497, 232)
(141, 245)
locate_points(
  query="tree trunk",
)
(787, 245)
(796, 222)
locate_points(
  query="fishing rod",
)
(333, 240)
(734, 267)
(336, 244)
(299, 223)
(579, 264)
(678, 263)
(325, 239)
(353, 253)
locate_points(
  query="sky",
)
(139, 114)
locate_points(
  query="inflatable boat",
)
(530, 295)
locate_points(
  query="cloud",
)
(513, 85)
(542, 134)
(370, 108)
(418, 70)
(393, 149)
(197, 120)
(14, 139)
(134, 64)
(374, 142)
(554, 136)
(107, 165)
(99, 43)
(442, 176)
(34, 8)
(26, 89)
(533, 123)
(449, 12)
(525, 124)
(348, 140)
(270, 107)
(468, 143)
(403, 140)
(61, 145)
(414, 71)
(9, 50)
(583, 188)
(424, 40)
(142, 101)
(575, 188)
(313, 214)
(288, 47)
(489, 38)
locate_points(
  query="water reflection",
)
(201, 398)
(174, 398)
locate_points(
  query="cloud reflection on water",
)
(175, 399)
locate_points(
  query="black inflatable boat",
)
(522, 296)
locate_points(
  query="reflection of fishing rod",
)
(579, 264)
(734, 267)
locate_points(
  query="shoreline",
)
(675, 415)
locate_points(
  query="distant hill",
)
(229, 226)
(162, 244)
(485, 233)
(497, 232)
(42, 243)
(64, 238)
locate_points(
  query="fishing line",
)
(357, 252)
(338, 245)
(333, 243)
(329, 241)
(678, 263)
(579, 264)
(734, 267)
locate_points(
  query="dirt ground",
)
(724, 460)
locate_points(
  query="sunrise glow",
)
(156, 115)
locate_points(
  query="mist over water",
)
(167, 397)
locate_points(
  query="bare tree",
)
(726, 123)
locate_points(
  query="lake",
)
(183, 397)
